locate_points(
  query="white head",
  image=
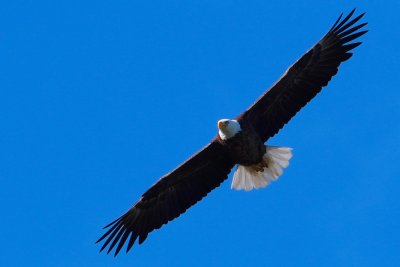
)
(228, 128)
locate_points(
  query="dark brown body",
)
(245, 148)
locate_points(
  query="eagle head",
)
(228, 128)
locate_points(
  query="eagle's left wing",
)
(305, 78)
(171, 196)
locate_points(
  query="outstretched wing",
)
(171, 196)
(304, 79)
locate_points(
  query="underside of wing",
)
(304, 79)
(171, 196)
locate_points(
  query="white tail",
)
(258, 176)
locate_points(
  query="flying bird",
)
(240, 142)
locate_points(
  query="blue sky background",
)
(100, 98)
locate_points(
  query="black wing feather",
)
(304, 79)
(171, 196)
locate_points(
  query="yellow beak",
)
(221, 124)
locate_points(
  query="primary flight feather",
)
(240, 142)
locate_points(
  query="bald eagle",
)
(240, 142)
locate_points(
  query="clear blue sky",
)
(100, 98)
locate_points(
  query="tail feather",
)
(274, 161)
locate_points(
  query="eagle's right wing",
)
(171, 196)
